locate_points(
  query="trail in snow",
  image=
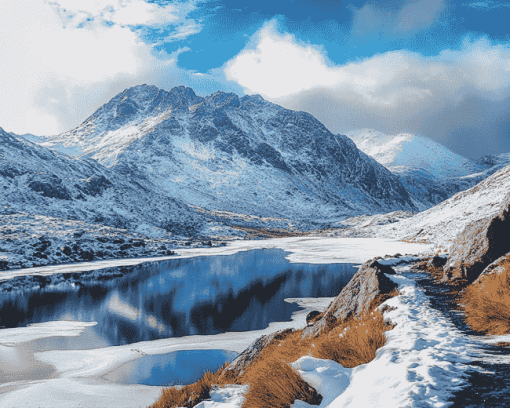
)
(488, 379)
(430, 359)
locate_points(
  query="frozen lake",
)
(241, 292)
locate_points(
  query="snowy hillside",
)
(412, 152)
(36, 180)
(430, 172)
(243, 155)
(443, 222)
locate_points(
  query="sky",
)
(436, 68)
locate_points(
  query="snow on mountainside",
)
(412, 152)
(430, 172)
(36, 180)
(442, 223)
(243, 155)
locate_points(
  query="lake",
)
(202, 295)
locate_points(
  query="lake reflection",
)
(203, 295)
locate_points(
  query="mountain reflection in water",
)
(202, 295)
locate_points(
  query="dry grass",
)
(273, 383)
(189, 395)
(354, 343)
(487, 303)
(278, 385)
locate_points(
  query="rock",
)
(66, 250)
(437, 262)
(50, 186)
(40, 255)
(3, 265)
(87, 255)
(243, 360)
(480, 243)
(125, 246)
(368, 286)
(118, 241)
(311, 316)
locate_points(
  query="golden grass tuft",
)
(189, 395)
(486, 302)
(354, 343)
(278, 385)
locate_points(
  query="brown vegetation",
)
(486, 301)
(273, 383)
(189, 395)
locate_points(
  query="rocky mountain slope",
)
(442, 223)
(36, 180)
(243, 155)
(430, 172)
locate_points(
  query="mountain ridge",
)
(226, 153)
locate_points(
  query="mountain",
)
(37, 180)
(226, 153)
(430, 172)
(442, 223)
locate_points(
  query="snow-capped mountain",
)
(410, 151)
(36, 180)
(244, 155)
(430, 172)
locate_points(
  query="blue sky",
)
(439, 68)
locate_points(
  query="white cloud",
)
(122, 12)
(394, 91)
(487, 5)
(379, 20)
(280, 66)
(58, 67)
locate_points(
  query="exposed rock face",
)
(226, 153)
(479, 244)
(369, 284)
(243, 360)
(355, 299)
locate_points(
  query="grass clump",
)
(354, 343)
(278, 385)
(486, 301)
(189, 395)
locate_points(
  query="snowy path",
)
(430, 359)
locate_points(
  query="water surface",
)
(181, 297)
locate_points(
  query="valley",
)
(168, 224)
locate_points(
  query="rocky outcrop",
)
(367, 289)
(238, 366)
(480, 243)
(367, 286)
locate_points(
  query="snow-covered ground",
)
(440, 224)
(76, 375)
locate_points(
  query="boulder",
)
(480, 243)
(366, 287)
(248, 356)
